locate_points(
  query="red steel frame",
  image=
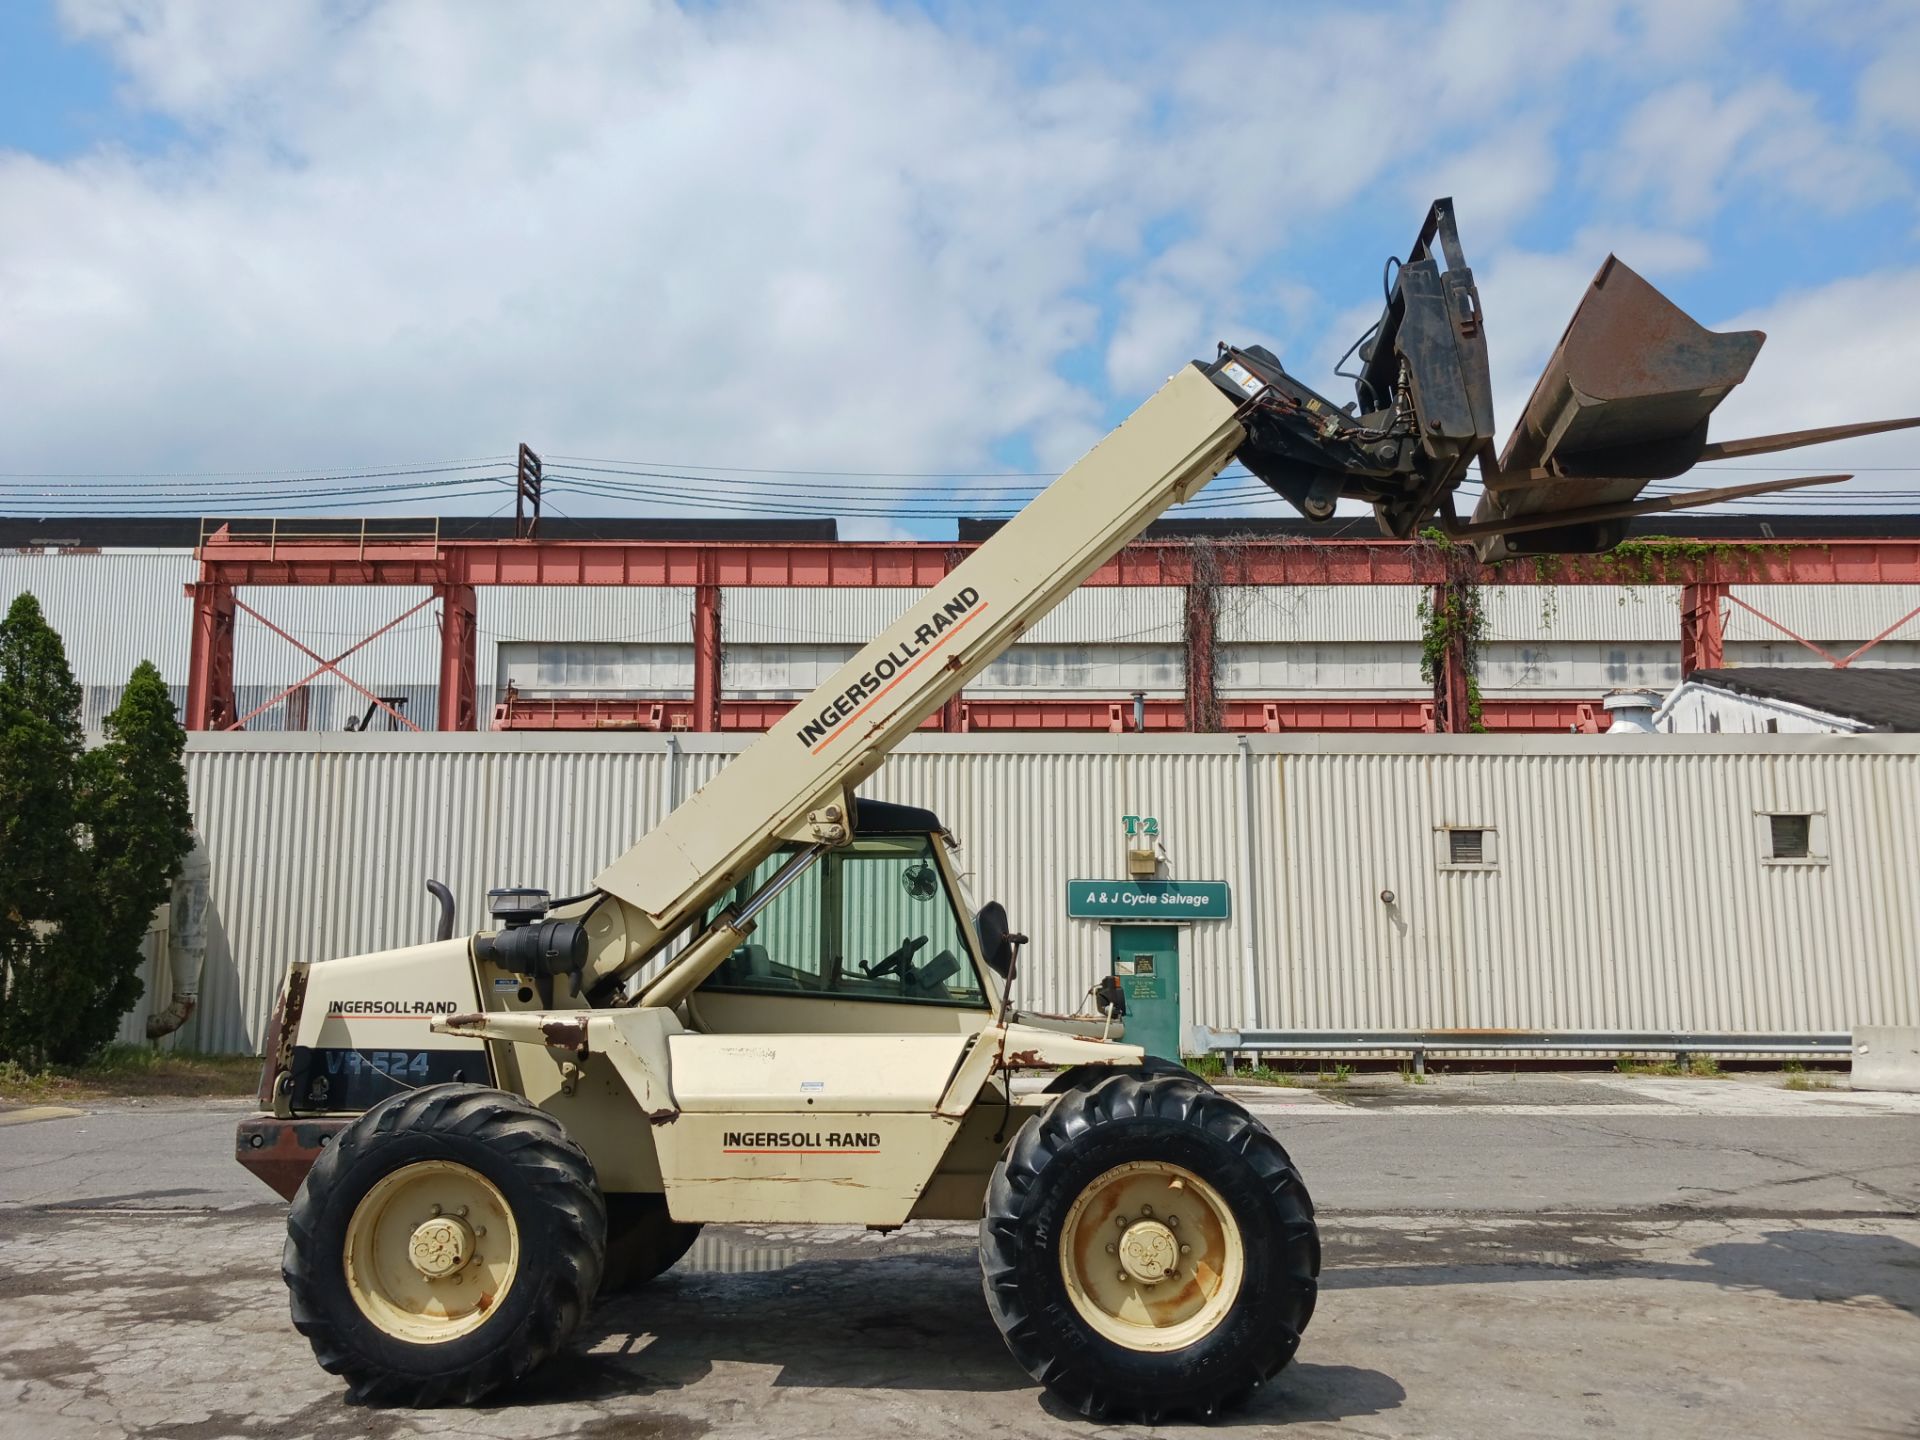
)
(1703, 629)
(453, 568)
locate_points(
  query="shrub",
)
(89, 844)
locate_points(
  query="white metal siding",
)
(1700, 709)
(586, 613)
(1630, 891)
(1274, 613)
(1825, 613)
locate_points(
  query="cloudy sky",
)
(912, 239)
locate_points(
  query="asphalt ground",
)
(1530, 1256)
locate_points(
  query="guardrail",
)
(1823, 1044)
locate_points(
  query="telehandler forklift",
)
(781, 1006)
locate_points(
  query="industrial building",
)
(1780, 700)
(1721, 883)
(579, 653)
(1529, 879)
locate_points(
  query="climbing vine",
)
(1216, 586)
(1453, 618)
(1202, 640)
(1654, 560)
(1633, 564)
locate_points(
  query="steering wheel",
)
(896, 963)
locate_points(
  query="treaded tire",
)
(1080, 1137)
(545, 1178)
(643, 1241)
(1085, 1077)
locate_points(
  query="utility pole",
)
(526, 494)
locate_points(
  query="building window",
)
(1793, 837)
(1467, 847)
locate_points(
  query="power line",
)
(16, 494)
(339, 472)
(198, 505)
(652, 467)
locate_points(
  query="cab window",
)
(871, 921)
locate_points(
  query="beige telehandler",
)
(780, 1006)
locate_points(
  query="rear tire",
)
(447, 1243)
(1208, 1279)
(643, 1241)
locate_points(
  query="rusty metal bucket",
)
(1625, 399)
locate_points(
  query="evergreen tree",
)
(133, 796)
(43, 865)
(90, 842)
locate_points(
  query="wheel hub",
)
(441, 1246)
(1148, 1251)
(430, 1252)
(1151, 1255)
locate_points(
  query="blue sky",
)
(910, 239)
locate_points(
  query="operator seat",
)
(931, 979)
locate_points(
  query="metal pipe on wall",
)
(1249, 960)
(186, 940)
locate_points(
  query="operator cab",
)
(878, 920)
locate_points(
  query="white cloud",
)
(1498, 182)
(1835, 353)
(1888, 93)
(1529, 296)
(783, 235)
(1688, 147)
(817, 236)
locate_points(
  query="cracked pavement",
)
(1505, 1256)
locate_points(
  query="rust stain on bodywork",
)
(566, 1034)
(1024, 1060)
(458, 1024)
(662, 1117)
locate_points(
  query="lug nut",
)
(1121, 1221)
(1173, 1221)
(435, 1210)
(1185, 1249)
(1123, 1275)
(461, 1212)
(1146, 1209)
(1111, 1248)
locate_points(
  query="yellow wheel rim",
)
(431, 1250)
(1152, 1256)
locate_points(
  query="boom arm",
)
(795, 783)
(1626, 398)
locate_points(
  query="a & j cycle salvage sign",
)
(1147, 900)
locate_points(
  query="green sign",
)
(1147, 900)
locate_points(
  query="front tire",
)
(1148, 1250)
(443, 1246)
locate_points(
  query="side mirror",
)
(997, 940)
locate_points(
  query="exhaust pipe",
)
(186, 940)
(443, 930)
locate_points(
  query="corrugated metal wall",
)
(1630, 888)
